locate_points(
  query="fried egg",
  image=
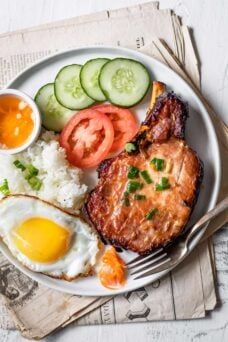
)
(46, 239)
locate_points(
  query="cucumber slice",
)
(89, 76)
(68, 90)
(54, 116)
(124, 81)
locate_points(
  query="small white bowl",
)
(36, 116)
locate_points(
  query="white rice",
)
(61, 182)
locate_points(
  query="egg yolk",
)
(112, 270)
(16, 121)
(41, 239)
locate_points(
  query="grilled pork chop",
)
(144, 197)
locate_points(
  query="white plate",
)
(200, 135)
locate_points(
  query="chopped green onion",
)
(158, 164)
(125, 200)
(32, 170)
(151, 213)
(35, 183)
(30, 175)
(19, 165)
(163, 185)
(145, 175)
(130, 147)
(139, 197)
(4, 188)
(133, 172)
(132, 186)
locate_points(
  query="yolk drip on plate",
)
(112, 270)
(41, 239)
(16, 121)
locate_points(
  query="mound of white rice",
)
(61, 183)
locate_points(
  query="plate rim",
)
(56, 286)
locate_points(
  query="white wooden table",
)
(209, 22)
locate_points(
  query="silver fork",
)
(168, 258)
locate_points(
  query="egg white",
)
(80, 258)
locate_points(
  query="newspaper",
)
(36, 310)
(126, 33)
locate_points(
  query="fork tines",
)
(147, 263)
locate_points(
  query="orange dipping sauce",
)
(16, 121)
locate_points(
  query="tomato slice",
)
(124, 124)
(87, 138)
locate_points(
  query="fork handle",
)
(223, 205)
